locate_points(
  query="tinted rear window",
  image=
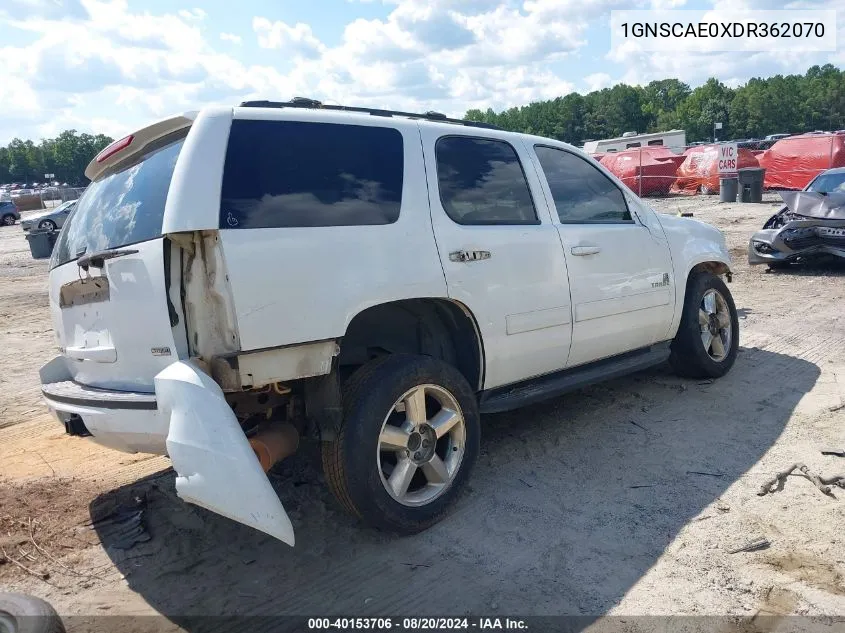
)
(482, 182)
(125, 206)
(288, 173)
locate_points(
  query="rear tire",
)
(400, 458)
(707, 341)
(8, 220)
(20, 613)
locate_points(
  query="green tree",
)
(66, 156)
(22, 160)
(5, 172)
(783, 103)
(660, 99)
(706, 105)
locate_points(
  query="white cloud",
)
(103, 65)
(297, 39)
(55, 9)
(193, 14)
(597, 81)
(231, 37)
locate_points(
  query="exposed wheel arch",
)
(716, 267)
(440, 328)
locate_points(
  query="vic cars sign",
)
(728, 158)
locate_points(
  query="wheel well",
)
(717, 268)
(433, 327)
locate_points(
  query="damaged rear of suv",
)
(140, 304)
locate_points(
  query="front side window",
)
(482, 182)
(292, 173)
(582, 193)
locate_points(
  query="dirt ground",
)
(624, 498)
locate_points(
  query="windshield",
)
(827, 183)
(125, 206)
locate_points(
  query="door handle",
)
(468, 256)
(580, 251)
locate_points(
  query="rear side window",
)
(581, 192)
(290, 173)
(125, 205)
(481, 182)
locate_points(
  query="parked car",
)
(236, 279)
(50, 219)
(776, 137)
(8, 213)
(810, 224)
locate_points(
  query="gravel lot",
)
(624, 498)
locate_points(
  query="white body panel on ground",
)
(216, 467)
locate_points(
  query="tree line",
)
(791, 104)
(65, 156)
(779, 104)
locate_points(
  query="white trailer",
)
(675, 140)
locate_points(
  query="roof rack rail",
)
(304, 102)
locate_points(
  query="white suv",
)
(238, 278)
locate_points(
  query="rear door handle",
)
(580, 251)
(468, 256)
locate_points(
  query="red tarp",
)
(656, 165)
(700, 169)
(793, 162)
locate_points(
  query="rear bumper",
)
(188, 419)
(125, 421)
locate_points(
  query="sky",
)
(112, 66)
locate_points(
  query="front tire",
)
(707, 341)
(47, 224)
(8, 220)
(409, 439)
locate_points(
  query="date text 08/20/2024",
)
(416, 624)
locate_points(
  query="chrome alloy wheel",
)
(421, 445)
(714, 318)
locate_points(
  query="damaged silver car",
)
(811, 224)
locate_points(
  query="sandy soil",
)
(624, 498)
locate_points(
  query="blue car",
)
(8, 213)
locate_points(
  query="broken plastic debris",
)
(124, 527)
